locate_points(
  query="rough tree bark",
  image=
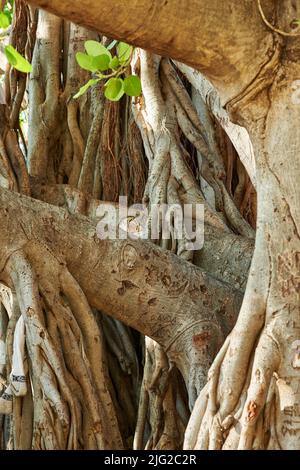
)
(73, 159)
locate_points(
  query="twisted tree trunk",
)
(261, 411)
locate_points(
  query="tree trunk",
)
(260, 410)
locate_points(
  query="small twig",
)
(279, 31)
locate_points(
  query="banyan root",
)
(66, 363)
(218, 422)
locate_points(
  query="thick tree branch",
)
(123, 278)
(225, 256)
(205, 36)
(155, 292)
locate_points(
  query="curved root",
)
(72, 404)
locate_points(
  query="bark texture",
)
(205, 36)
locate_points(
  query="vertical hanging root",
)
(160, 116)
(161, 405)
(206, 402)
(266, 361)
(157, 123)
(66, 363)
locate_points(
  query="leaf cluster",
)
(99, 60)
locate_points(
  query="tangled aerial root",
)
(67, 374)
(249, 422)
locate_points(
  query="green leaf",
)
(4, 20)
(95, 49)
(17, 60)
(88, 62)
(114, 89)
(124, 52)
(85, 87)
(132, 85)
(114, 63)
(85, 61)
(101, 62)
(296, 22)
